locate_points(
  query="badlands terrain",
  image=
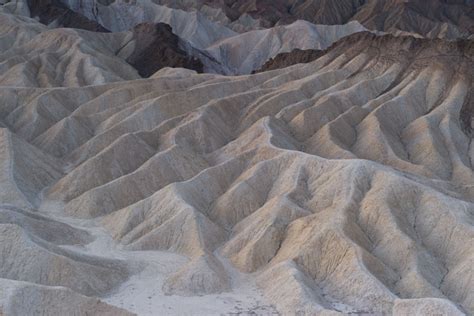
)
(236, 157)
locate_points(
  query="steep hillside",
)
(294, 57)
(149, 46)
(434, 18)
(55, 12)
(157, 47)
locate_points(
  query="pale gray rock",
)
(22, 298)
(344, 185)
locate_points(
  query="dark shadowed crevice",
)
(49, 11)
(157, 47)
(467, 116)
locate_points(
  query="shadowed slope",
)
(435, 18)
(157, 47)
(54, 11)
(294, 57)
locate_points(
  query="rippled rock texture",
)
(341, 185)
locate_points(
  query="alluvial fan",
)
(343, 185)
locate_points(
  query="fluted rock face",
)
(432, 19)
(155, 45)
(146, 41)
(438, 18)
(21, 298)
(316, 11)
(435, 18)
(220, 49)
(95, 58)
(436, 47)
(340, 185)
(34, 55)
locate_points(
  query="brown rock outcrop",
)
(49, 11)
(157, 47)
(294, 57)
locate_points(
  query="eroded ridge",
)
(345, 184)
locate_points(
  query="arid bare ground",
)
(344, 185)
